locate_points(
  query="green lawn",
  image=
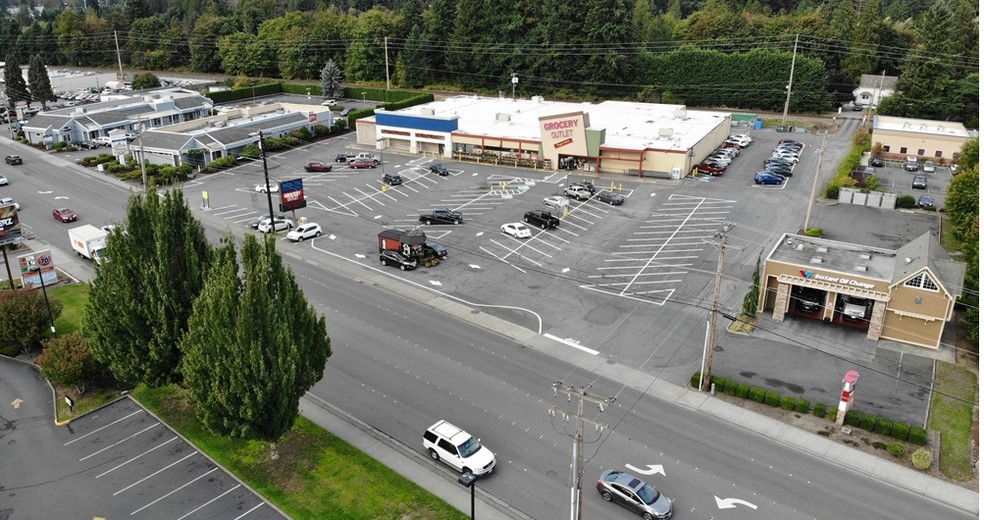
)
(317, 475)
(953, 418)
(73, 298)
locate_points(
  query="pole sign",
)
(292, 195)
(119, 143)
(10, 227)
(29, 264)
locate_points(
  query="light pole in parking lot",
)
(380, 148)
(266, 177)
(515, 81)
(468, 480)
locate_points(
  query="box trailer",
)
(88, 241)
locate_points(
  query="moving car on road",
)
(455, 447)
(516, 230)
(3, 181)
(634, 494)
(13, 159)
(64, 215)
(7, 201)
(359, 164)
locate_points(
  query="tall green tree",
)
(749, 307)
(863, 56)
(254, 345)
(141, 299)
(331, 80)
(14, 85)
(68, 360)
(203, 42)
(413, 61)
(145, 80)
(438, 16)
(40, 83)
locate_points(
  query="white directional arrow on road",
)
(17, 402)
(653, 469)
(360, 255)
(474, 266)
(435, 282)
(60, 197)
(45, 192)
(332, 237)
(731, 503)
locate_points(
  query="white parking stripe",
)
(193, 511)
(117, 443)
(154, 474)
(358, 200)
(97, 430)
(110, 470)
(207, 473)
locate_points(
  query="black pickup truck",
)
(442, 216)
(541, 218)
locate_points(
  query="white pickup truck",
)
(88, 241)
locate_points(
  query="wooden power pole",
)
(582, 395)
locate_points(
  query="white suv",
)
(447, 443)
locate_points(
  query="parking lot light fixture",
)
(363, 96)
(266, 176)
(468, 480)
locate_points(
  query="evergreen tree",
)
(40, 83)
(437, 18)
(749, 307)
(863, 57)
(254, 346)
(331, 80)
(141, 299)
(414, 60)
(15, 86)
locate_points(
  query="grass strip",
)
(953, 418)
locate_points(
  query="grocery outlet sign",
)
(564, 133)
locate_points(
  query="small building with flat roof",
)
(902, 137)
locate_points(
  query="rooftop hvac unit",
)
(665, 133)
(426, 111)
(503, 117)
(816, 260)
(861, 268)
(680, 113)
(538, 99)
(821, 249)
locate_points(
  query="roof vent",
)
(822, 249)
(816, 260)
(680, 113)
(799, 247)
(861, 268)
(908, 260)
(503, 117)
(866, 256)
(427, 111)
(666, 132)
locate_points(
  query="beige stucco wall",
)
(895, 140)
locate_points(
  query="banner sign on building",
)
(10, 227)
(292, 195)
(564, 134)
(33, 263)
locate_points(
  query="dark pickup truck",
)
(541, 218)
(442, 216)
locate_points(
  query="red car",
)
(709, 169)
(64, 215)
(317, 166)
(362, 163)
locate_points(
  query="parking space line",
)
(503, 260)
(358, 200)
(179, 488)
(631, 296)
(154, 474)
(110, 470)
(117, 443)
(384, 193)
(318, 205)
(257, 506)
(653, 257)
(97, 430)
(569, 232)
(206, 504)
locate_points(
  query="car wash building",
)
(640, 139)
(905, 295)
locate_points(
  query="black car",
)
(809, 299)
(785, 171)
(344, 157)
(857, 108)
(436, 249)
(88, 145)
(440, 170)
(393, 179)
(610, 197)
(398, 259)
(919, 182)
(442, 216)
(588, 185)
(539, 217)
(925, 201)
(877, 162)
(13, 159)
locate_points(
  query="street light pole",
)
(266, 179)
(515, 81)
(468, 480)
(44, 291)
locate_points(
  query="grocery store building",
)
(905, 295)
(642, 139)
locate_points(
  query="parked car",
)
(393, 179)
(317, 166)
(632, 493)
(577, 192)
(64, 215)
(543, 219)
(359, 164)
(516, 230)
(792, 142)
(556, 202)
(455, 447)
(911, 165)
(256, 221)
(398, 259)
(877, 162)
(766, 177)
(436, 249)
(344, 157)
(919, 182)
(779, 170)
(742, 139)
(610, 197)
(442, 216)
(588, 185)
(304, 231)
(857, 108)
(710, 169)
(3, 181)
(103, 140)
(925, 201)
(329, 103)
(929, 167)
(279, 224)
(88, 145)
(262, 188)
(13, 159)
(439, 169)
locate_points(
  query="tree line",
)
(592, 49)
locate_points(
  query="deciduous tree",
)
(68, 360)
(254, 345)
(25, 317)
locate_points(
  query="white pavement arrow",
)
(435, 282)
(653, 469)
(331, 237)
(731, 503)
(360, 255)
(474, 266)
(45, 192)
(59, 197)
(17, 402)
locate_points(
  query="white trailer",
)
(88, 241)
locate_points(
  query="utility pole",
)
(705, 373)
(266, 178)
(813, 190)
(789, 86)
(118, 58)
(582, 395)
(386, 55)
(143, 167)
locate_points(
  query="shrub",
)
(756, 394)
(905, 201)
(814, 232)
(718, 382)
(878, 445)
(788, 402)
(695, 380)
(819, 410)
(833, 191)
(922, 459)
(802, 405)
(730, 387)
(900, 430)
(832, 413)
(883, 426)
(917, 435)
(868, 422)
(896, 448)
(742, 390)
(115, 167)
(852, 418)
(771, 398)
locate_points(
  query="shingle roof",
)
(926, 252)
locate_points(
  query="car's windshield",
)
(469, 447)
(648, 494)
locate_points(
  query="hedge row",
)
(873, 423)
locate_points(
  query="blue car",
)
(765, 177)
